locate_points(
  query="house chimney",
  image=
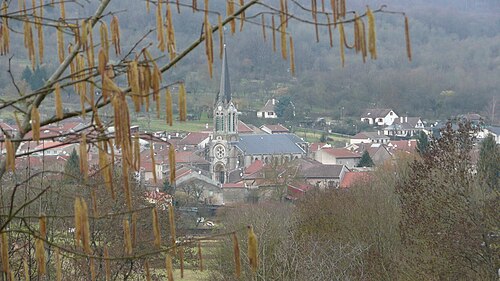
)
(273, 101)
(406, 119)
(401, 119)
(409, 143)
(378, 132)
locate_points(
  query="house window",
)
(270, 113)
(331, 184)
(380, 120)
(391, 113)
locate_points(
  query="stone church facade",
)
(229, 151)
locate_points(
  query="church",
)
(230, 151)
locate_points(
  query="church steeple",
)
(224, 95)
(225, 112)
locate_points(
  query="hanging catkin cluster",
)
(168, 107)
(156, 228)
(82, 227)
(84, 166)
(171, 45)
(182, 103)
(372, 39)
(209, 45)
(35, 123)
(253, 259)
(283, 21)
(106, 165)
(60, 42)
(127, 239)
(236, 253)
(407, 38)
(39, 29)
(171, 220)
(230, 12)
(40, 246)
(11, 155)
(171, 160)
(338, 9)
(29, 42)
(4, 248)
(4, 31)
(160, 33)
(115, 34)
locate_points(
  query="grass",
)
(191, 275)
(314, 136)
(160, 125)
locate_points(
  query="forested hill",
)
(455, 66)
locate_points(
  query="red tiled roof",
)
(341, 153)
(351, 178)
(50, 144)
(315, 146)
(403, 145)
(233, 185)
(244, 128)
(193, 138)
(296, 191)
(254, 167)
(188, 157)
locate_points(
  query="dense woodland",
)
(455, 65)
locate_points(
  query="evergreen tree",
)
(488, 166)
(27, 75)
(366, 160)
(422, 143)
(72, 168)
(323, 138)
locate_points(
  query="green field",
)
(160, 125)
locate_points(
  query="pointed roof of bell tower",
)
(224, 94)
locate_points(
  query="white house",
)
(268, 111)
(404, 127)
(369, 137)
(495, 131)
(378, 116)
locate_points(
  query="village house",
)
(378, 116)
(369, 137)
(268, 111)
(340, 156)
(495, 132)
(274, 129)
(194, 141)
(324, 176)
(404, 127)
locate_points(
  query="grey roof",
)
(376, 112)
(323, 171)
(494, 129)
(224, 94)
(255, 144)
(370, 135)
(269, 106)
(408, 122)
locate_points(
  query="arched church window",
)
(218, 122)
(233, 122)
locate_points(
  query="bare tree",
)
(92, 60)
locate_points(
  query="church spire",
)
(224, 95)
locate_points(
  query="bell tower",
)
(225, 124)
